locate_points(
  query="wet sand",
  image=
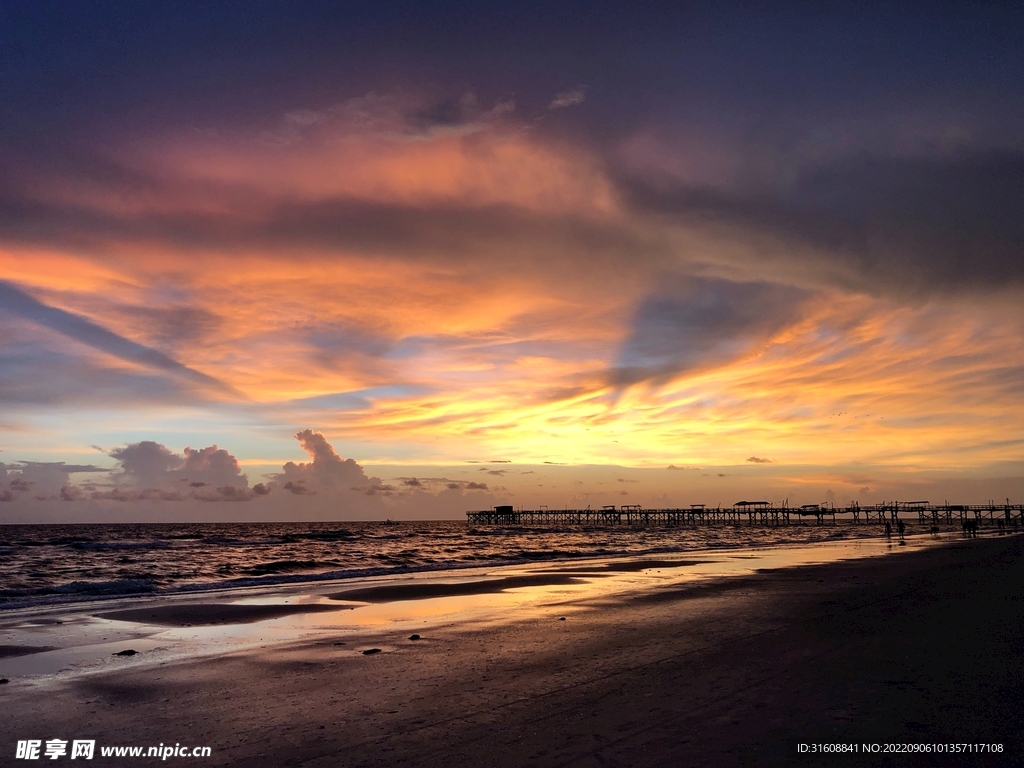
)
(921, 647)
(427, 589)
(13, 651)
(209, 614)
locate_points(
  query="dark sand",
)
(210, 614)
(920, 647)
(11, 651)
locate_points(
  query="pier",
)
(756, 513)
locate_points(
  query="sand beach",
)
(919, 646)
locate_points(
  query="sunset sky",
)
(337, 260)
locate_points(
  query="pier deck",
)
(754, 513)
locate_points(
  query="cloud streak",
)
(17, 302)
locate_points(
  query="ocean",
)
(46, 564)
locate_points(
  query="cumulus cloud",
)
(148, 464)
(326, 467)
(374, 488)
(327, 472)
(212, 465)
(298, 487)
(758, 460)
(224, 493)
(148, 471)
(476, 486)
(44, 478)
(138, 494)
(71, 493)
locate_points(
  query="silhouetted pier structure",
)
(755, 513)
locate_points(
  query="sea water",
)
(53, 564)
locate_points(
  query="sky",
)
(297, 261)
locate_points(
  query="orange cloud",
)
(469, 286)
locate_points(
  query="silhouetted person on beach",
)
(900, 528)
(888, 530)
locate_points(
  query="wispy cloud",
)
(569, 98)
(439, 277)
(20, 303)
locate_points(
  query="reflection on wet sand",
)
(80, 639)
(206, 614)
(426, 589)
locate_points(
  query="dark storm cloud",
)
(886, 224)
(703, 321)
(445, 232)
(19, 303)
